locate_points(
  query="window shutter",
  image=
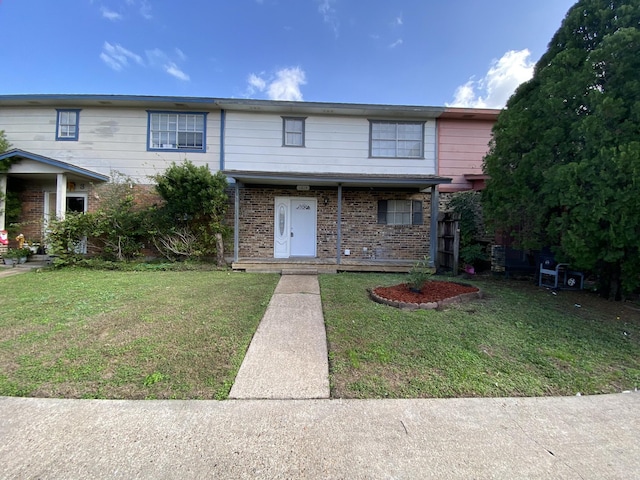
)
(416, 212)
(382, 211)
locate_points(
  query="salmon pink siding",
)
(462, 145)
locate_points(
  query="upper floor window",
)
(400, 212)
(397, 139)
(67, 124)
(293, 132)
(177, 131)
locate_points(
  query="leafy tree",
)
(4, 146)
(193, 213)
(12, 206)
(565, 156)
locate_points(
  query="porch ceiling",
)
(34, 166)
(334, 179)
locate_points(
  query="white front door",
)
(295, 227)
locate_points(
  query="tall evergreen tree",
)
(565, 156)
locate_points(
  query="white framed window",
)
(177, 131)
(67, 124)
(400, 212)
(396, 139)
(293, 131)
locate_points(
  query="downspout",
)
(339, 226)
(3, 197)
(433, 234)
(236, 222)
(223, 119)
(435, 204)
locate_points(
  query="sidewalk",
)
(287, 357)
(505, 438)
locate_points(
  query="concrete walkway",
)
(287, 357)
(9, 270)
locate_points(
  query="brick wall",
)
(360, 227)
(31, 216)
(361, 233)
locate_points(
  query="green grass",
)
(80, 333)
(106, 334)
(519, 340)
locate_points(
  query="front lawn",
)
(134, 335)
(103, 334)
(520, 340)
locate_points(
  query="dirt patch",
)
(434, 294)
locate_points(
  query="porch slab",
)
(320, 265)
(287, 357)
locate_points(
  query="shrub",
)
(191, 222)
(420, 273)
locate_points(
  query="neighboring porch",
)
(45, 188)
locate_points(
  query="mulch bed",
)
(434, 294)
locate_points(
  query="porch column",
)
(3, 199)
(339, 226)
(236, 222)
(61, 196)
(433, 234)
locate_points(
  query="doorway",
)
(295, 227)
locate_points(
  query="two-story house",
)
(337, 186)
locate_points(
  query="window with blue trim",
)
(67, 124)
(177, 131)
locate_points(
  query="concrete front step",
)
(299, 271)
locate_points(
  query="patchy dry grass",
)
(103, 334)
(519, 341)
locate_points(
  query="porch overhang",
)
(418, 182)
(30, 165)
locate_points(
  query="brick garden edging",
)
(439, 305)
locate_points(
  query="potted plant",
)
(16, 255)
(470, 254)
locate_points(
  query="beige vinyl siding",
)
(333, 144)
(109, 139)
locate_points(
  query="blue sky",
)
(408, 52)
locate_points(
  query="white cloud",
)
(143, 6)
(499, 83)
(180, 54)
(110, 14)
(397, 43)
(329, 16)
(145, 9)
(256, 84)
(398, 21)
(117, 57)
(284, 86)
(159, 59)
(173, 70)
